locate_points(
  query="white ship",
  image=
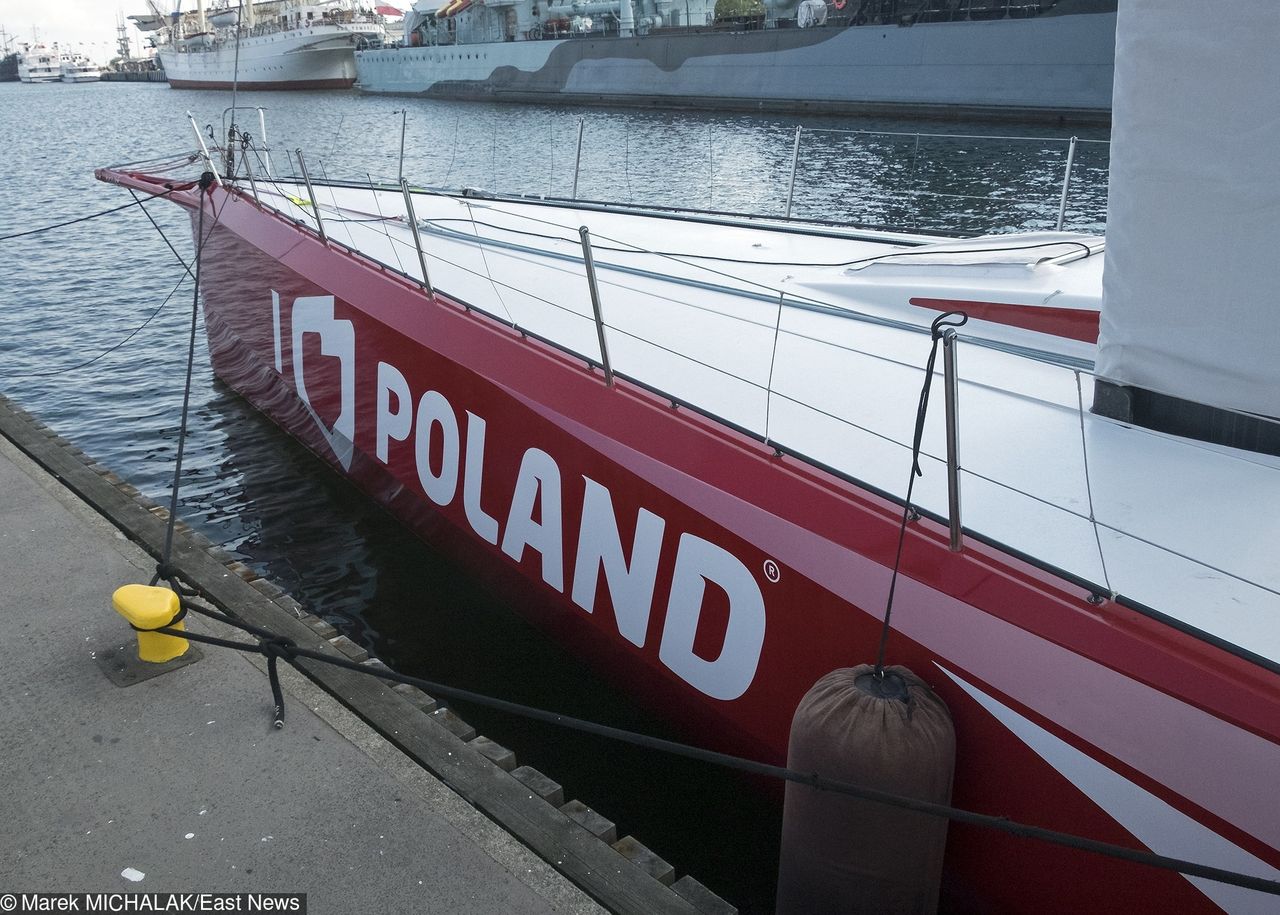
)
(280, 46)
(39, 64)
(76, 68)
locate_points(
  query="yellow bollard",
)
(150, 607)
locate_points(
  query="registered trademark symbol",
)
(771, 571)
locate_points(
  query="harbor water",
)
(93, 341)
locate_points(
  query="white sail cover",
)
(1191, 293)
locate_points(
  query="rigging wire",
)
(385, 231)
(485, 260)
(235, 78)
(71, 222)
(137, 330)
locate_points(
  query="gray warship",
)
(1051, 60)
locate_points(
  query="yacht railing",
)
(767, 393)
(760, 385)
(914, 183)
(763, 386)
(1125, 545)
(917, 181)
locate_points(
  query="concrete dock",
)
(182, 778)
(371, 798)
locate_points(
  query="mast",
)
(122, 37)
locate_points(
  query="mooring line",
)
(206, 181)
(274, 646)
(137, 330)
(138, 202)
(71, 222)
(160, 231)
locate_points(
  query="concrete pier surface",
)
(182, 778)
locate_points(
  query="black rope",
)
(137, 330)
(206, 181)
(163, 237)
(275, 649)
(274, 646)
(177, 618)
(908, 513)
(928, 250)
(70, 222)
(137, 201)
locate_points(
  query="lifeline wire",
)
(274, 646)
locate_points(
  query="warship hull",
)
(1045, 68)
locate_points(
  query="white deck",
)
(1186, 528)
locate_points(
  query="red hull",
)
(1068, 715)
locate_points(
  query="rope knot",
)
(945, 320)
(279, 647)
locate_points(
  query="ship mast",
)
(122, 37)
